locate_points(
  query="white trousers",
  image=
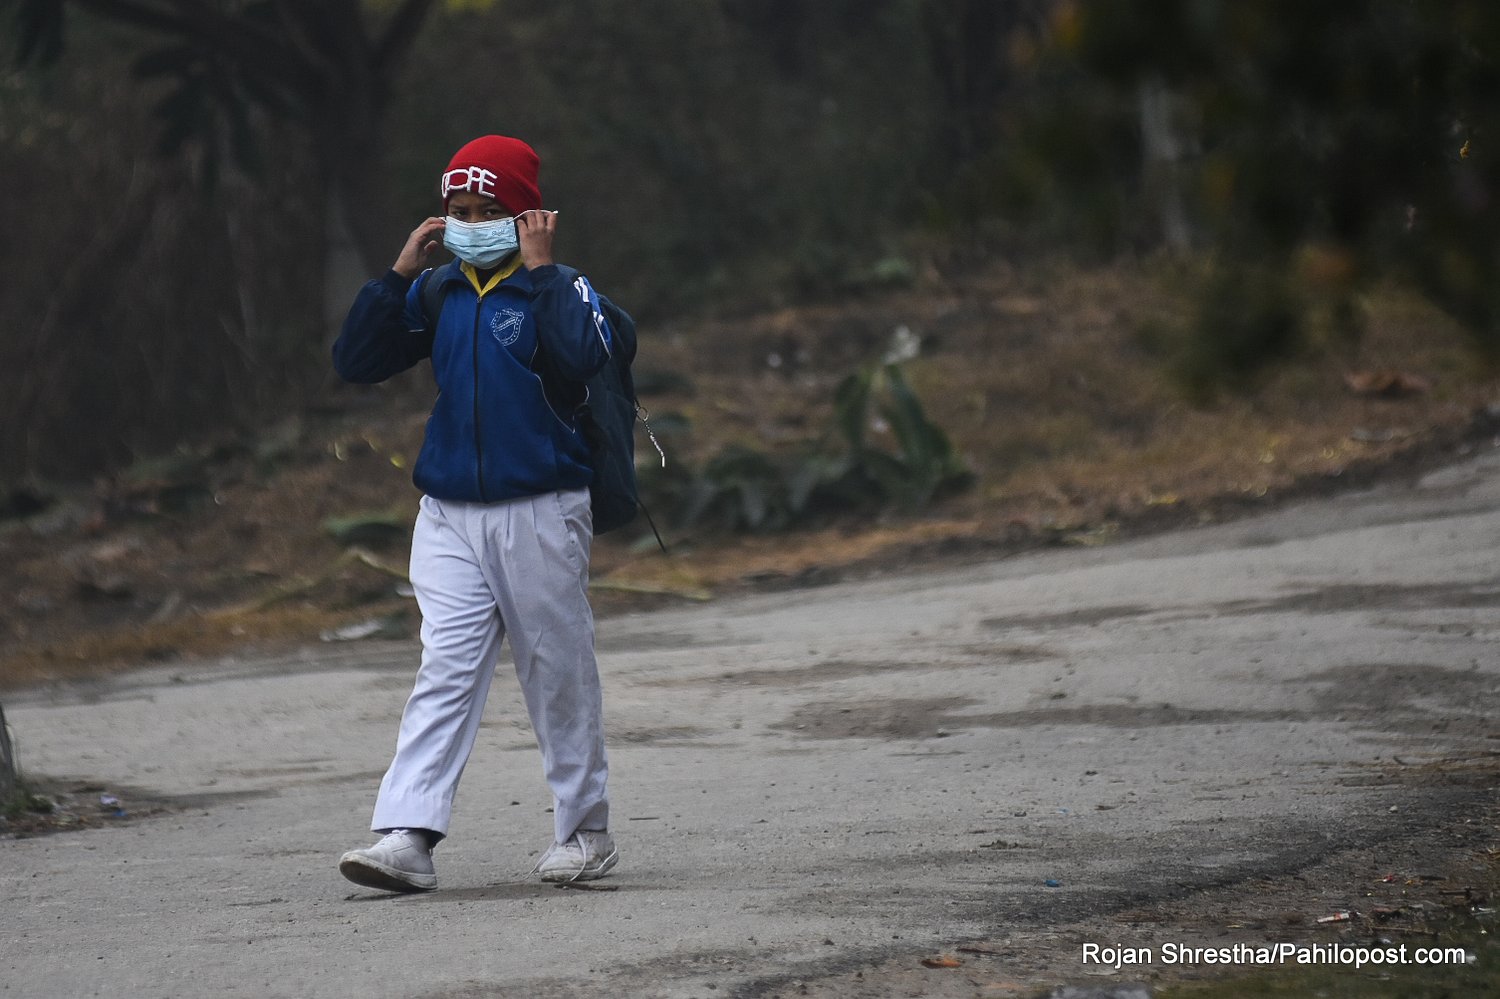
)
(481, 572)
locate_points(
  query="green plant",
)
(22, 801)
(923, 464)
(1248, 320)
(740, 489)
(845, 471)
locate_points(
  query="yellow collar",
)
(500, 275)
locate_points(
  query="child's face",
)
(466, 206)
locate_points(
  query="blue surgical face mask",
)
(482, 244)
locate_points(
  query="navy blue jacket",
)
(509, 368)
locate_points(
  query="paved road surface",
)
(802, 781)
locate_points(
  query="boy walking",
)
(501, 543)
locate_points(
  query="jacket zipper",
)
(478, 436)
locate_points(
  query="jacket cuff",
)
(397, 283)
(542, 276)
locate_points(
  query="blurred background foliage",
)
(195, 189)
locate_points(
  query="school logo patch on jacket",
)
(506, 326)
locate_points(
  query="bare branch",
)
(331, 36)
(137, 13)
(253, 49)
(399, 34)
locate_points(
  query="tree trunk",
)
(8, 772)
(362, 238)
(1163, 148)
(345, 268)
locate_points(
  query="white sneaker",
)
(588, 854)
(401, 861)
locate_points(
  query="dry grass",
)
(1052, 384)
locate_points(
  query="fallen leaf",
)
(389, 626)
(941, 961)
(1390, 384)
(1365, 435)
(369, 528)
(696, 593)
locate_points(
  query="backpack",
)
(606, 416)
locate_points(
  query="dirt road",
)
(813, 790)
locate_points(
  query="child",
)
(501, 542)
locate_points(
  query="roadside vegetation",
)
(1047, 386)
(917, 279)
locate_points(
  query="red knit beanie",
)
(495, 166)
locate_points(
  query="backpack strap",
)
(435, 290)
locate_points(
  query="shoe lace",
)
(583, 857)
(547, 853)
(412, 836)
(574, 842)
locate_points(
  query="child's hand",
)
(534, 229)
(424, 239)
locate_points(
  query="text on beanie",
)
(495, 166)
